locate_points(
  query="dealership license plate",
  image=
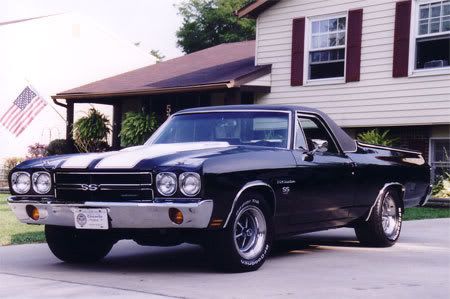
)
(91, 218)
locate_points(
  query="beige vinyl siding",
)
(378, 99)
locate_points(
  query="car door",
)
(324, 181)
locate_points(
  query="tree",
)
(158, 55)
(208, 23)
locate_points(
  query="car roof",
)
(253, 107)
(345, 141)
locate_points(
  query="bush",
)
(91, 131)
(137, 128)
(376, 137)
(59, 147)
(37, 150)
(441, 189)
(10, 163)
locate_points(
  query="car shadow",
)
(186, 258)
(311, 243)
(182, 258)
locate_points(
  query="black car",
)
(231, 178)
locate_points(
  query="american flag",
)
(24, 109)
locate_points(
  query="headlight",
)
(190, 183)
(166, 183)
(42, 182)
(21, 182)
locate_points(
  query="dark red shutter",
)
(298, 50)
(354, 34)
(401, 38)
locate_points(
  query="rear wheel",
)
(77, 246)
(385, 223)
(245, 243)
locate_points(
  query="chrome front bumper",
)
(122, 215)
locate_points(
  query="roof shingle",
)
(220, 64)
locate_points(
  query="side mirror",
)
(320, 145)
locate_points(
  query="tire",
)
(245, 243)
(385, 223)
(77, 246)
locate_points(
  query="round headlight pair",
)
(22, 181)
(190, 183)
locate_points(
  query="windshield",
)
(237, 128)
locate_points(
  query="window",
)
(237, 128)
(327, 48)
(432, 40)
(439, 157)
(313, 128)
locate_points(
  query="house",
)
(53, 53)
(220, 75)
(368, 64)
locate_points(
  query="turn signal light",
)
(175, 215)
(216, 223)
(33, 212)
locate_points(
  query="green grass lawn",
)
(14, 232)
(426, 213)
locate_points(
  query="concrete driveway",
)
(322, 265)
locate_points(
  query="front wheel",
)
(245, 243)
(77, 246)
(385, 223)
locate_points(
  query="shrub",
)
(59, 147)
(441, 189)
(137, 127)
(376, 137)
(37, 150)
(10, 163)
(90, 132)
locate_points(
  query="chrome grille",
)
(103, 186)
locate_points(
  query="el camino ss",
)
(233, 179)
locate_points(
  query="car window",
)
(237, 128)
(313, 128)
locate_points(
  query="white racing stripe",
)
(83, 160)
(130, 158)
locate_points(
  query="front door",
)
(324, 181)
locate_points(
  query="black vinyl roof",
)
(345, 141)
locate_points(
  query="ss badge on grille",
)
(91, 187)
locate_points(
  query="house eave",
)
(91, 95)
(253, 10)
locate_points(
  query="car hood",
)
(143, 157)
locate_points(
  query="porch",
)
(221, 75)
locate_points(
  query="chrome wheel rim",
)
(250, 231)
(389, 216)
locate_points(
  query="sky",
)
(153, 23)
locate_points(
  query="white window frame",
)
(431, 161)
(307, 47)
(414, 34)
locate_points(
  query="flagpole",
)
(50, 104)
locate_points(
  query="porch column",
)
(117, 125)
(69, 124)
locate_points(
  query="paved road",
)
(322, 265)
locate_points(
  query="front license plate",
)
(91, 218)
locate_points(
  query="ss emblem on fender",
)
(91, 187)
(285, 190)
